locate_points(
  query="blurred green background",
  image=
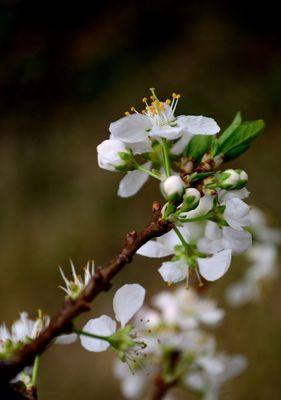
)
(67, 70)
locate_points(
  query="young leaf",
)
(232, 127)
(240, 139)
(198, 146)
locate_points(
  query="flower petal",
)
(197, 124)
(181, 144)
(212, 231)
(212, 268)
(237, 214)
(205, 205)
(211, 316)
(174, 271)
(239, 241)
(102, 326)
(130, 129)
(132, 182)
(66, 339)
(225, 195)
(127, 301)
(166, 131)
(154, 248)
(170, 239)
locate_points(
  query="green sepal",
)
(201, 175)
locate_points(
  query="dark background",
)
(67, 70)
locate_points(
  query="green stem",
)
(183, 242)
(147, 171)
(91, 335)
(196, 219)
(166, 157)
(35, 370)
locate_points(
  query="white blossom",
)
(211, 267)
(23, 331)
(159, 121)
(263, 258)
(73, 287)
(126, 302)
(213, 372)
(184, 308)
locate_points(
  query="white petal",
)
(213, 231)
(212, 316)
(212, 365)
(166, 131)
(140, 147)
(66, 339)
(170, 239)
(181, 144)
(205, 205)
(196, 381)
(155, 249)
(225, 195)
(127, 301)
(239, 241)
(130, 129)
(212, 246)
(197, 124)
(102, 326)
(174, 271)
(212, 268)
(237, 213)
(132, 182)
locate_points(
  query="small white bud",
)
(109, 154)
(229, 179)
(191, 199)
(173, 188)
(243, 176)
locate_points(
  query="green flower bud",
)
(173, 188)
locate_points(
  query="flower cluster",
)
(23, 331)
(263, 259)
(205, 206)
(184, 354)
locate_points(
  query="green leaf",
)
(198, 146)
(240, 139)
(232, 127)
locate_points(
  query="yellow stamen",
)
(133, 109)
(127, 113)
(168, 101)
(144, 100)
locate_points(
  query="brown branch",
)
(61, 323)
(162, 388)
(18, 391)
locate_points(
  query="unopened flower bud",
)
(191, 199)
(243, 176)
(229, 179)
(112, 154)
(173, 188)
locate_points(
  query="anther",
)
(127, 113)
